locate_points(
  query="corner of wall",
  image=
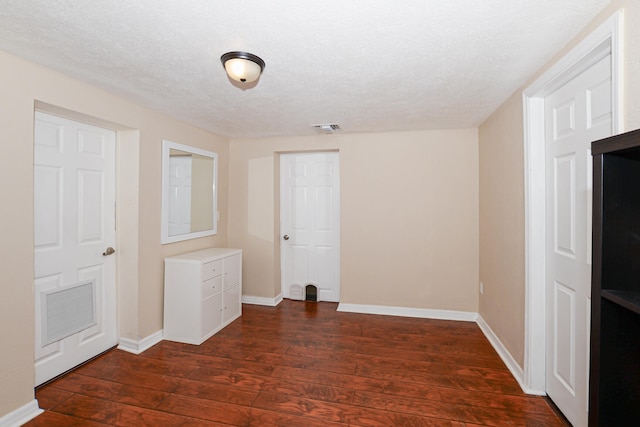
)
(128, 192)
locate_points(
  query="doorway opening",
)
(604, 41)
(311, 292)
(74, 229)
(310, 226)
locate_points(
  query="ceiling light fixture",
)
(242, 67)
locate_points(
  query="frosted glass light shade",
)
(242, 66)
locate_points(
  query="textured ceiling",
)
(367, 65)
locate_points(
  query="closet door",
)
(74, 236)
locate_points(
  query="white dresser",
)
(202, 293)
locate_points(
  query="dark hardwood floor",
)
(301, 364)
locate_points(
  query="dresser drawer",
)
(211, 286)
(211, 269)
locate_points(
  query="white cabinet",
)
(202, 293)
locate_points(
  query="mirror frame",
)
(164, 232)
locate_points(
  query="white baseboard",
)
(138, 346)
(423, 313)
(21, 415)
(506, 356)
(271, 302)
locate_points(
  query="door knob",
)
(286, 237)
(108, 251)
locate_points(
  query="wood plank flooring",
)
(301, 364)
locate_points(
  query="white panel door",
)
(74, 220)
(576, 114)
(310, 222)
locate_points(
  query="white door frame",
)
(41, 112)
(606, 39)
(336, 208)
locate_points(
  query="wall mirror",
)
(189, 192)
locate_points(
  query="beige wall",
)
(140, 254)
(502, 258)
(502, 224)
(409, 216)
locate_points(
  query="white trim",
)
(271, 302)
(506, 356)
(617, 72)
(423, 313)
(606, 38)
(141, 345)
(21, 415)
(535, 315)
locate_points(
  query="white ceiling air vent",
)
(326, 129)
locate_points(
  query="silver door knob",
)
(108, 251)
(286, 237)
